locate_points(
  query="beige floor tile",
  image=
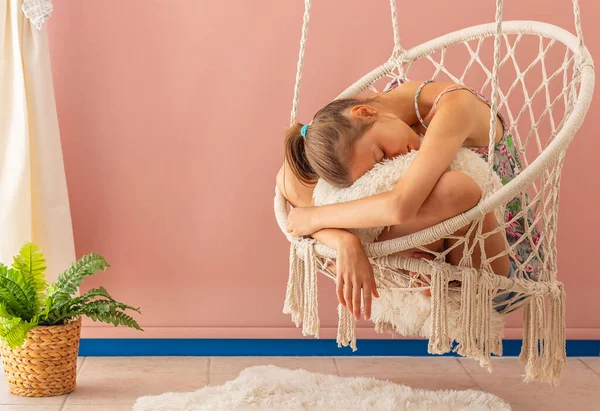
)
(509, 366)
(80, 361)
(97, 407)
(500, 366)
(417, 372)
(223, 369)
(15, 407)
(579, 388)
(526, 407)
(398, 365)
(121, 380)
(592, 362)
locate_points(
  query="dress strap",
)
(448, 90)
(417, 94)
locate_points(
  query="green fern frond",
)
(58, 301)
(96, 292)
(12, 303)
(47, 307)
(51, 290)
(68, 281)
(106, 311)
(72, 307)
(57, 316)
(30, 261)
(101, 292)
(14, 331)
(61, 300)
(5, 312)
(17, 293)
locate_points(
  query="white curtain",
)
(34, 203)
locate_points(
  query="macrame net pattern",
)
(540, 78)
(37, 11)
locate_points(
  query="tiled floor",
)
(114, 383)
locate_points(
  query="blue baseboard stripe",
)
(99, 347)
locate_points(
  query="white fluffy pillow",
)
(401, 312)
(384, 176)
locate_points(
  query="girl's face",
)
(388, 137)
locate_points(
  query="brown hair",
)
(325, 150)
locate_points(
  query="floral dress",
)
(507, 165)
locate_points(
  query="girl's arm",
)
(355, 283)
(300, 195)
(452, 124)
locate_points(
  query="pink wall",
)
(172, 113)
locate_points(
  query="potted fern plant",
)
(40, 324)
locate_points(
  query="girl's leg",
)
(454, 193)
(494, 245)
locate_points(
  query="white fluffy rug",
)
(273, 388)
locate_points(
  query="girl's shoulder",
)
(423, 91)
(295, 192)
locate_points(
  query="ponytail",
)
(325, 150)
(295, 155)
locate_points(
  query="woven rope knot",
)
(487, 279)
(555, 290)
(303, 244)
(37, 11)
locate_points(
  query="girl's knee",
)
(457, 192)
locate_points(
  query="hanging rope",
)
(494, 106)
(579, 61)
(396, 53)
(306, 18)
(578, 30)
(398, 50)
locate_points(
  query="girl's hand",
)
(301, 222)
(355, 277)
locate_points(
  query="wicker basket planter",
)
(40, 323)
(46, 365)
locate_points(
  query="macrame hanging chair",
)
(545, 104)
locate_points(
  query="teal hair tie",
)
(304, 130)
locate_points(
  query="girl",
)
(349, 136)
